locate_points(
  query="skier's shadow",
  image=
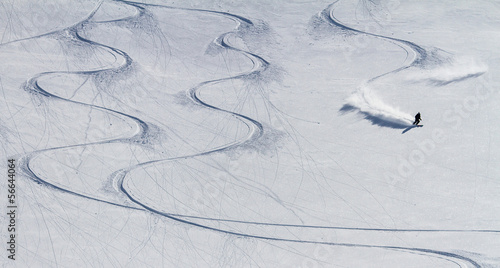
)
(410, 128)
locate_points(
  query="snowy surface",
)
(252, 133)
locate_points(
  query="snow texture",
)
(251, 134)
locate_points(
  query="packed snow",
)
(250, 133)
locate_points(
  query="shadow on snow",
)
(376, 120)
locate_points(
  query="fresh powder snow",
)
(250, 133)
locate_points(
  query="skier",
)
(417, 119)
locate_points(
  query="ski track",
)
(255, 131)
(363, 100)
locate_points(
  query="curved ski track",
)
(255, 130)
(410, 47)
(419, 57)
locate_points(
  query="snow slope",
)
(252, 134)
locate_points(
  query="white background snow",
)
(251, 133)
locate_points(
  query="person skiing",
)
(417, 119)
